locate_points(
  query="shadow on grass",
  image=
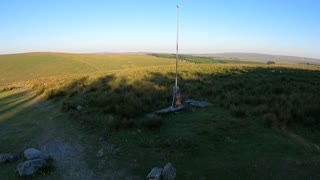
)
(15, 101)
(289, 95)
(219, 143)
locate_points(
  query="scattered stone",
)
(152, 116)
(31, 166)
(170, 109)
(32, 153)
(8, 157)
(168, 172)
(100, 153)
(155, 174)
(201, 104)
(79, 107)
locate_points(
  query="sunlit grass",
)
(287, 92)
(18, 67)
(243, 132)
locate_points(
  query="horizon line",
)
(154, 52)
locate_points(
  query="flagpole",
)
(176, 100)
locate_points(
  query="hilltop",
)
(263, 120)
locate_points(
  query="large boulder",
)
(32, 153)
(155, 174)
(31, 166)
(168, 172)
(8, 157)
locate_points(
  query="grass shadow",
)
(288, 93)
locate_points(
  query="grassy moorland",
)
(18, 67)
(263, 122)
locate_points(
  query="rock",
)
(32, 153)
(168, 172)
(152, 116)
(79, 107)
(31, 166)
(8, 157)
(155, 174)
(100, 153)
(201, 104)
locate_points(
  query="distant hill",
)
(262, 57)
(204, 59)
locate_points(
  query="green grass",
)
(204, 60)
(212, 143)
(264, 122)
(17, 126)
(288, 94)
(19, 67)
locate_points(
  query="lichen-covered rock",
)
(31, 166)
(8, 157)
(168, 172)
(155, 174)
(32, 153)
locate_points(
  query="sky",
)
(282, 27)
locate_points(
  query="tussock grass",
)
(281, 94)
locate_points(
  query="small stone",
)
(155, 174)
(152, 116)
(31, 166)
(32, 153)
(100, 153)
(8, 157)
(169, 172)
(79, 107)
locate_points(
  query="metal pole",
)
(177, 50)
(175, 89)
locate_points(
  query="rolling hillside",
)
(263, 120)
(18, 67)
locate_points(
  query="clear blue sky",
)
(288, 27)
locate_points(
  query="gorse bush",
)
(280, 94)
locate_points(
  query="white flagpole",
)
(177, 50)
(176, 88)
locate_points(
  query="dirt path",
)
(71, 148)
(65, 149)
(302, 140)
(78, 152)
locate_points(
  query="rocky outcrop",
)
(167, 173)
(31, 166)
(32, 153)
(155, 174)
(35, 161)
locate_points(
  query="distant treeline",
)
(203, 60)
